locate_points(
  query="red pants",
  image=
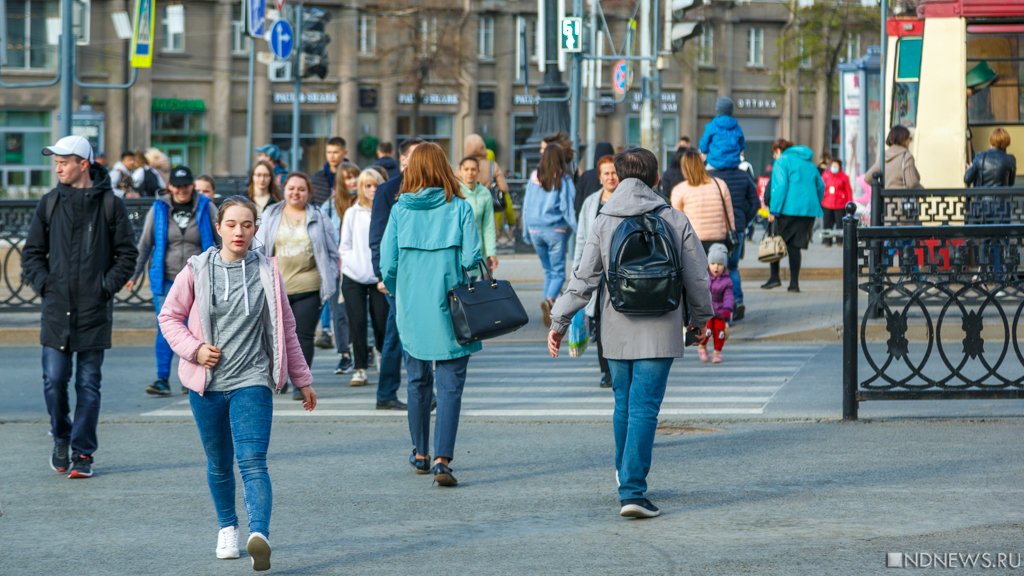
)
(718, 332)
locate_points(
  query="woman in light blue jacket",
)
(298, 234)
(794, 200)
(549, 217)
(430, 242)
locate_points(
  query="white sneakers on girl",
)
(227, 543)
(702, 353)
(259, 550)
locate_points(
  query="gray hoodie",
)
(636, 337)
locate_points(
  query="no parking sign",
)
(621, 77)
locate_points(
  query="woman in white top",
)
(358, 282)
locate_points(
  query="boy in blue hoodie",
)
(723, 140)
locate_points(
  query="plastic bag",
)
(579, 335)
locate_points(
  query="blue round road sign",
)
(282, 39)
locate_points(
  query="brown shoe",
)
(545, 309)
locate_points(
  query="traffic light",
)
(314, 41)
(683, 28)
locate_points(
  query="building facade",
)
(192, 102)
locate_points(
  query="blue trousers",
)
(551, 248)
(391, 356)
(81, 433)
(639, 387)
(237, 424)
(734, 269)
(450, 377)
(164, 354)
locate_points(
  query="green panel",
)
(177, 105)
(909, 55)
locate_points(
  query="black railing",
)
(956, 206)
(943, 314)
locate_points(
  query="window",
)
(526, 26)
(239, 39)
(435, 128)
(906, 87)
(755, 47)
(428, 35)
(706, 48)
(669, 135)
(24, 171)
(179, 129)
(805, 56)
(367, 35)
(27, 46)
(486, 33)
(314, 128)
(523, 152)
(173, 27)
(853, 47)
(992, 56)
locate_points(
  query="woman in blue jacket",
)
(429, 243)
(796, 192)
(549, 217)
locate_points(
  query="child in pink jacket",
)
(227, 317)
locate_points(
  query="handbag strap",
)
(725, 209)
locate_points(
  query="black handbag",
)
(498, 199)
(732, 239)
(485, 308)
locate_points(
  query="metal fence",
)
(944, 302)
(16, 216)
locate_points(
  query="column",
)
(220, 108)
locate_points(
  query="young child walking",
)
(721, 301)
(238, 347)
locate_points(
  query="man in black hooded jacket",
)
(79, 252)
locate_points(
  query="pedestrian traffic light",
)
(314, 39)
(683, 27)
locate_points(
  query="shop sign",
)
(669, 101)
(177, 105)
(756, 103)
(306, 97)
(524, 99)
(409, 98)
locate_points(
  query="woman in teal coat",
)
(794, 201)
(430, 240)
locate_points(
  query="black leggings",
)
(357, 296)
(794, 266)
(833, 220)
(306, 309)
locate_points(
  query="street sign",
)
(572, 34)
(143, 34)
(620, 77)
(281, 39)
(280, 5)
(257, 18)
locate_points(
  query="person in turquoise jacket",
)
(431, 240)
(483, 207)
(794, 203)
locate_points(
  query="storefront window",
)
(435, 128)
(27, 46)
(24, 171)
(179, 130)
(669, 136)
(522, 128)
(314, 130)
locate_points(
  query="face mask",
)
(834, 170)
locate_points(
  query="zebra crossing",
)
(520, 381)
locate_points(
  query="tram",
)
(953, 75)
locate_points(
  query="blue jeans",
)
(551, 248)
(164, 354)
(80, 434)
(230, 423)
(340, 320)
(391, 357)
(734, 269)
(450, 377)
(639, 387)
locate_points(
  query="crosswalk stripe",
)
(487, 413)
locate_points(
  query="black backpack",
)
(150, 183)
(645, 277)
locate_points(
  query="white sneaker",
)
(359, 378)
(227, 543)
(258, 548)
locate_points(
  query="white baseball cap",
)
(70, 146)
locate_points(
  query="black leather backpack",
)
(645, 277)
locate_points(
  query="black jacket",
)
(77, 263)
(991, 168)
(389, 164)
(590, 181)
(673, 175)
(383, 201)
(323, 186)
(743, 192)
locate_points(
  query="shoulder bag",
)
(484, 308)
(732, 240)
(773, 247)
(497, 196)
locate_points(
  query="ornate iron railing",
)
(944, 311)
(929, 207)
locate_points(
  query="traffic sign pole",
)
(297, 78)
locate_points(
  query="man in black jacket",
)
(323, 181)
(79, 252)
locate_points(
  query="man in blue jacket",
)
(390, 369)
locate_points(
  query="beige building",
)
(192, 102)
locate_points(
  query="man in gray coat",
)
(640, 349)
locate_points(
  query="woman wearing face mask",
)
(342, 198)
(837, 194)
(297, 233)
(238, 347)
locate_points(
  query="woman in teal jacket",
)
(430, 240)
(794, 202)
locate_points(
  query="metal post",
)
(576, 79)
(595, 67)
(552, 112)
(249, 105)
(850, 315)
(646, 105)
(656, 137)
(67, 63)
(297, 81)
(884, 7)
